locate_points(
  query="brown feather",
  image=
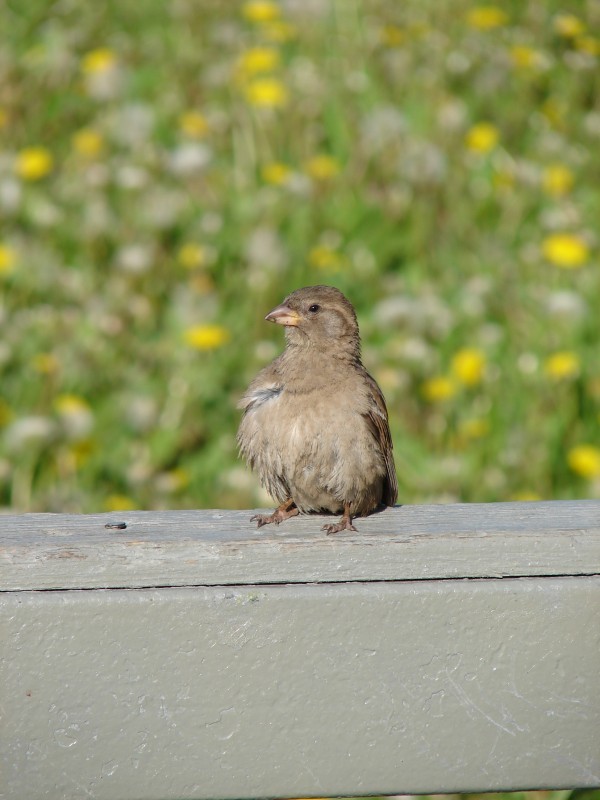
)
(377, 417)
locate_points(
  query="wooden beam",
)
(335, 681)
(209, 548)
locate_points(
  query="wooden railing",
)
(187, 655)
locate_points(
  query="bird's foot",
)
(285, 511)
(345, 524)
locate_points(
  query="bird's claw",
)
(285, 511)
(265, 519)
(345, 524)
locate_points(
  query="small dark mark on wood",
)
(120, 526)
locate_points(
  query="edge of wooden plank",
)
(216, 547)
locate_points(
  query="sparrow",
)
(315, 424)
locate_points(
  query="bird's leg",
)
(345, 524)
(286, 510)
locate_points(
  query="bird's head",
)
(318, 315)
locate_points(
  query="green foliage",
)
(168, 172)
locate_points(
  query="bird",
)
(315, 424)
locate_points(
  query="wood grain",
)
(212, 547)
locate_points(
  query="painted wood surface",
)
(203, 548)
(300, 690)
(184, 654)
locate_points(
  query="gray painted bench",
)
(188, 655)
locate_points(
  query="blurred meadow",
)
(169, 171)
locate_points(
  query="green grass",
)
(104, 403)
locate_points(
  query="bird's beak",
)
(283, 315)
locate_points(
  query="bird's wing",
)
(266, 386)
(377, 419)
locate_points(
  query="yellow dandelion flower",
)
(584, 460)
(475, 428)
(393, 36)
(206, 337)
(278, 31)
(486, 18)
(322, 167)
(325, 258)
(267, 93)
(557, 180)
(588, 44)
(562, 365)
(193, 124)
(276, 173)
(438, 389)
(100, 60)
(88, 142)
(8, 259)
(70, 404)
(191, 255)
(261, 11)
(259, 59)
(524, 57)
(565, 250)
(482, 137)
(468, 366)
(45, 363)
(34, 163)
(568, 25)
(526, 496)
(119, 502)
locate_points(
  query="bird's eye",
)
(314, 308)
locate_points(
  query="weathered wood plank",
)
(195, 548)
(283, 691)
